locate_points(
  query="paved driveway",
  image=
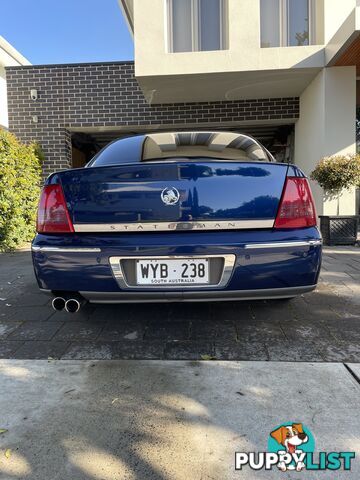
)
(321, 326)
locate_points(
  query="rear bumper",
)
(186, 296)
(268, 264)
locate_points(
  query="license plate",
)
(172, 272)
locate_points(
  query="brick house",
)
(287, 78)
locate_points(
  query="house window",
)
(287, 23)
(270, 23)
(197, 25)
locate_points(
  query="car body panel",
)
(133, 193)
(273, 266)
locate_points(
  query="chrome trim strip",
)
(65, 249)
(256, 246)
(115, 262)
(201, 296)
(172, 226)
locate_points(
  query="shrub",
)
(20, 178)
(337, 173)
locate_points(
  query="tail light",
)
(53, 215)
(297, 208)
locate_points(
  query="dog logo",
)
(293, 439)
(170, 196)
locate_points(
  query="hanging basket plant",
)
(334, 175)
(338, 173)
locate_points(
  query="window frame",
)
(284, 20)
(196, 27)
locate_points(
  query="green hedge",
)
(20, 179)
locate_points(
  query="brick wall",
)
(108, 95)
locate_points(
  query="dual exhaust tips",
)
(72, 305)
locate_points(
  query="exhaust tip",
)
(72, 305)
(58, 303)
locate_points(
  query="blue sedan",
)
(177, 216)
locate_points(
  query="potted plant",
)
(336, 174)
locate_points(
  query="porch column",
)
(327, 127)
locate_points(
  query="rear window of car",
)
(181, 146)
(125, 150)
